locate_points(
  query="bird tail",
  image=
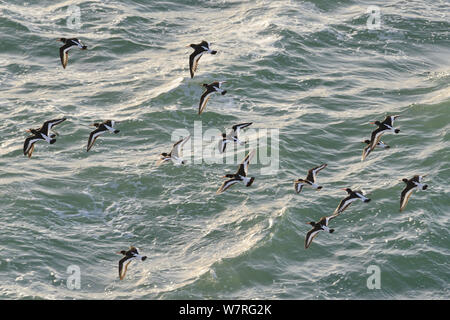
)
(52, 141)
(116, 131)
(331, 230)
(250, 182)
(223, 92)
(213, 52)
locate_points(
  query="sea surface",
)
(309, 75)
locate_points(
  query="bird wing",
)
(29, 145)
(227, 184)
(406, 193)
(122, 271)
(204, 99)
(222, 145)
(193, 61)
(177, 149)
(344, 205)
(243, 167)
(313, 172)
(47, 126)
(64, 54)
(366, 151)
(238, 127)
(93, 136)
(376, 136)
(298, 186)
(310, 236)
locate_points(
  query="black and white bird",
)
(47, 127)
(102, 127)
(176, 154)
(129, 255)
(310, 179)
(28, 146)
(415, 183)
(69, 44)
(210, 89)
(42, 133)
(322, 225)
(383, 127)
(233, 136)
(199, 50)
(352, 196)
(367, 149)
(240, 176)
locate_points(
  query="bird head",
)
(348, 190)
(224, 135)
(376, 122)
(62, 39)
(122, 252)
(311, 223)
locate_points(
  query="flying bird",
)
(69, 44)
(352, 196)
(233, 136)
(240, 176)
(210, 89)
(322, 225)
(199, 50)
(42, 133)
(176, 154)
(310, 179)
(415, 183)
(383, 127)
(103, 127)
(28, 146)
(129, 255)
(47, 127)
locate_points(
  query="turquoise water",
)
(311, 73)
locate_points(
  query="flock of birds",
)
(48, 134)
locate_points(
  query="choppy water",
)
(311, 71)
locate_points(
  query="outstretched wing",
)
(312, 173)
(238, 127)
(193, 61)
(204, 100)
(177, 149)
(64, 54)
(310, 236)
(93, 136)
(366, 151)
(243, 167)
(406, 194)
(227, 184)
(28, 146)
(122, 272)
(298, 185)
